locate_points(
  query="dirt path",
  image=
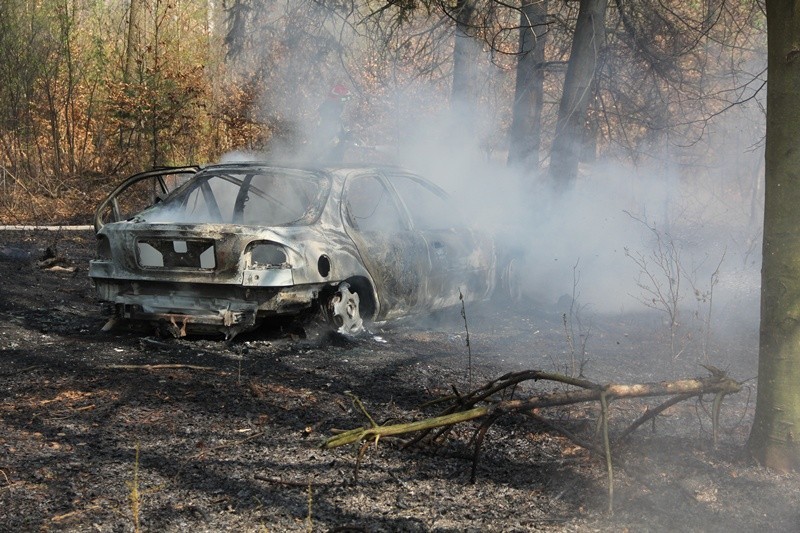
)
(228, 434)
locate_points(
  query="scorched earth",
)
(124, 430)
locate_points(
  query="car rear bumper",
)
(226, 309)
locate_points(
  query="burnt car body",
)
(225, 247)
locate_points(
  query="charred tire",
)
(509, 283)
(344, 310)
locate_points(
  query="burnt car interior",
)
(237, 196)
(370, 208)
(141, 191)
(245, 197)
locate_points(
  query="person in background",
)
(332, 136)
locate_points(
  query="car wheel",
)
(344, 311)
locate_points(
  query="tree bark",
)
(134, 41)
(775, 436)
(584, 60)
(529, 91)
(465, 58)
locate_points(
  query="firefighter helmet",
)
(339, 92)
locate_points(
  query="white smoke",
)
(703, 198)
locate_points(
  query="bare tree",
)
(135, 38)
(465, 58)
(525, 135)
(586, 56)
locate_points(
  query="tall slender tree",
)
(584, 60)
(525, 136)
(135, 38)
(465, 56)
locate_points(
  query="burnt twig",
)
(159, 367)
(652, 413)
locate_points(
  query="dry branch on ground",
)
(466, 408)
(165, 366)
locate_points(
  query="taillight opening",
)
(266, 255)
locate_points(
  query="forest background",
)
(95, 90)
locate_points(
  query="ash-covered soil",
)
(228, 434)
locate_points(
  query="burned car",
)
(225, 247)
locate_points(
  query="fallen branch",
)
(286, 482)
(583, 443)
(159, 367)
(686, 387)
(466, 408)
(607, 448)
(232, 444)
(376, 432)
(503, 383)
(652, 413)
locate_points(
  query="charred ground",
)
(228, 436)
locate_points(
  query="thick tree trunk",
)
(775, 437)
(528, 95)
(584, 60)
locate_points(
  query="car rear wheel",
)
(345, 314)
(509, 286)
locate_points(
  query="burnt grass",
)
(228, 437)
